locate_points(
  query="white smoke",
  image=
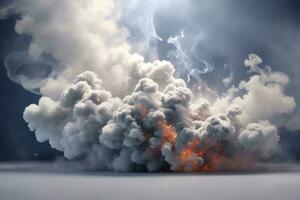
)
(261, 97)
(185, 54)
(141, 15)
(229, 79)
(88, 40)
(107, 106)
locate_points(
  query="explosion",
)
(109, 108)
(151, 129)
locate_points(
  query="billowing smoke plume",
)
(158, 125)
(106, 106)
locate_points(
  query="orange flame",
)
(211, 151)
(189, 154)
(169, 133)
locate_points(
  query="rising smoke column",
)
(111, 109)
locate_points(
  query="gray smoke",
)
(157, 125)
(106, 106)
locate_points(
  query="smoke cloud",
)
(102, 103)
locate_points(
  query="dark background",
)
(17, 143)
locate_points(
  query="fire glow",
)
(196, 156)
